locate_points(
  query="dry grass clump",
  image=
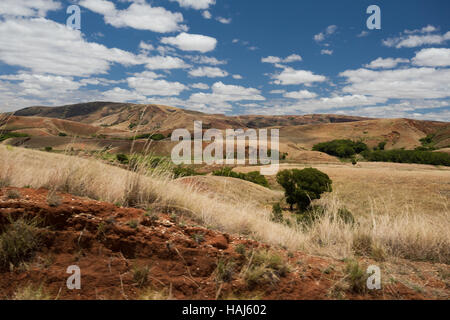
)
(408, 234)
(18, 241)
(31, 292)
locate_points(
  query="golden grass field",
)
(401, 209)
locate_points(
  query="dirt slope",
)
(98, 238)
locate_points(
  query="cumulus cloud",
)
(148, 83)
(224, 20)
(237, 76)
(210, 72)
(409, 83)
(291, 76)
(206, 60)
(201, 86)
(27, 8)
(45, 46)
(139, 15)
(387, 63)
(275, 60)
(191, 42)
(326, 51)
(323, 35)
(164, 62)
(206, 14)
(417, 38)
(433, 57)
(302, 94)
(195, 4)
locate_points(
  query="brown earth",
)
(96, 237)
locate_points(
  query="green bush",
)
(48, 149)
(341, 148)
(62, 134)
(408, 156)
(181, 171)
(7, 135)
(18, 242)
(277, 213)
(303, 186)
(156, 137)
(122, 158)
(253, 176)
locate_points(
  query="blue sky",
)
(230, 56)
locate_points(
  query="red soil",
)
(96, 237)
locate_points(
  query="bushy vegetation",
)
(122, 158)
(408, 156)
(18, 242)
(303, 186)
(7, 135)
(155, 137)
(180, 171)
(341, 148)
(253, 176)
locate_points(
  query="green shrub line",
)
(341, 148)
(253, 176)
(408, 156)
(8, 135)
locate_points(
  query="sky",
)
(230, 56)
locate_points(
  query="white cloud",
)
(277, 60)
(222, 94)
(141, 16)
(206, 60)
(237, 76)
(291, 76)
(433, 57)
(322, 35)
(363, 34)
(195, 4)
(201, 86)
(148, 83)
(302, 94)
(27, 8)
(210, 72)
(164, 62)
(122, 95)
(387, 63)
(206, 14)
(326, 51)
(224, 20)
(45, 46)
(191, 42)
(414, 40)
(426, 29)
(410, 83)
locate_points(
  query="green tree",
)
(303, 186)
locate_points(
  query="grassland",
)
(401, 210)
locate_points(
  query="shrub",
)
(224, 270)
(8, 135)
(265, 266)
(31, 292)
(122, 158)
(181, 171)
(62, 134)
(140, 275)
(356, 276)
(18, 242)
(408, 156)
(156, 137)
(133, 224)
(303, 186)
(253, 176)
(48, 149)
(13, 194)
(341, 148)
(277, 213)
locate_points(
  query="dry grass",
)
(397, 232)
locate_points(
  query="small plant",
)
(62, 134)
(31, 292)
(240, 249)
(225, 270)
(198, 237)
(134, 224)
(122, 158)
(345, 216)
(18, 242)
(13, 194)
(155, 294)
(140, 275)
(48, 149)
(356, 276)
(54, 200)
(277, 213)
(264, 266)
(354, 162)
